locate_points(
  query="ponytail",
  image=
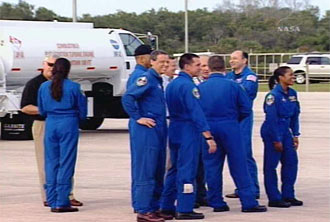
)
(275, 78)
(271, 82)
(60, 72)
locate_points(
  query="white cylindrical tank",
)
(94, 53)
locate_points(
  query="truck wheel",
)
(300, 78)
(91, 123)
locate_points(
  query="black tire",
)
(91, 123)
(300, 78)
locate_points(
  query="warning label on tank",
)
(73, 52)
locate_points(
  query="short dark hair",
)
(171, 57)
(216, 63)
(156, 53)
(186, 59)
(245, 55)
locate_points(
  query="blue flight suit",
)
(187, 122)
(225, 104)
(145, 98)
(61, 138)
(281, 125)
(248, 79)
(138, 71)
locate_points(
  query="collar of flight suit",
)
(186, 75)
(141, 67)
(156, 75)
(217, 75)
(279, 88)
(244, 72)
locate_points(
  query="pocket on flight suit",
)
(152, 153)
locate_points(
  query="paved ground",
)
(103, 172)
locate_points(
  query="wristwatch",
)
(209, 138)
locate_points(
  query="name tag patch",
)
(292, 98)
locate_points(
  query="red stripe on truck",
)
(16, 69)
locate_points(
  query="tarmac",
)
(102, 178)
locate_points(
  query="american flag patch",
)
(251, 78)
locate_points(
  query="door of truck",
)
(325, 66)
(314, 63)
(130, 43)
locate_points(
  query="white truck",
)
(101, 60)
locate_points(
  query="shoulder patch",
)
(251, 78)
(270, 99)
(141, 81)
(195, 93)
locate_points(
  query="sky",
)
(103, 7)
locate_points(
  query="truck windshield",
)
(130, 43)
(295, 60)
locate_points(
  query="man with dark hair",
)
(142, 57)
(226, 104)
(145, 104)
(187, 123)
(200, 182)
(244, 76)
(29, 106)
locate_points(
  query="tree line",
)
(250, 26)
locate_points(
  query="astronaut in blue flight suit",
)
(145, 104)
(62, 103)
(244, 76)
(142, 57)
(225, 104)
(280, 132)
(187, 123)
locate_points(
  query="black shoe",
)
(46, 204)
(280, 204)
(232, 195)
(64, 209)
(165, 214)
(294, 201)
(189, 216)
(221, 209)
(168, 212)
(203, 203)
(196, 205)
(259, 208)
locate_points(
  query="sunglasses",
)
(50, 64)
